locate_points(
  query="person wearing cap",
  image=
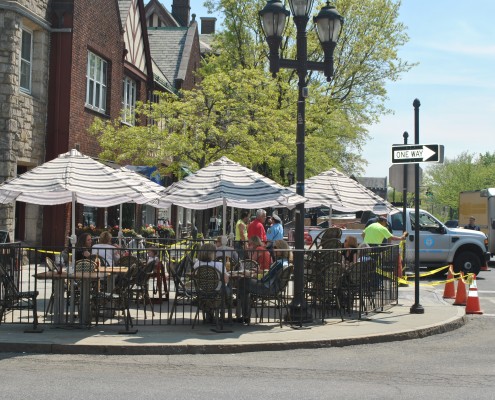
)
(375, 233)
(375, 219)
(275, 232)
(472, 224)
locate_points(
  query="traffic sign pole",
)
(416, 308)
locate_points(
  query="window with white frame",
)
(96, 83)
(129, 101)
(26, 60)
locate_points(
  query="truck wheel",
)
(467, 262)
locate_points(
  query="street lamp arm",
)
(294, 64)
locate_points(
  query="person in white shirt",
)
(104, 248)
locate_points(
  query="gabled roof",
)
(155, 7)
(137, 57)
(171, 50)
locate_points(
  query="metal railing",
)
(166, 295)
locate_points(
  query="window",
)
(26, 60)
(96, 83)
(129, 101)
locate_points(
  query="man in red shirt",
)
(257, 227)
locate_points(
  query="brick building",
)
(65, 62)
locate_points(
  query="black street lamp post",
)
(328, 24)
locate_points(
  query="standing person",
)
(241, 234)
(275, 232)
(83, 246)
(375, 219)
(256, 227)
(472, 225)
(268, 223)
(377, 232)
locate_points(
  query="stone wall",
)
(22, 115)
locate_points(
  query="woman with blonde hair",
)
(105, 249)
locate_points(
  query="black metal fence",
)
(154, 284)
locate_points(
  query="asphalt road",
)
(455, 365)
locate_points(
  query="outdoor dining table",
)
(59, 279)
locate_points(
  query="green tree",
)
(240, 111)
(465, 172)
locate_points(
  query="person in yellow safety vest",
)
(375, 233)
(241, 234)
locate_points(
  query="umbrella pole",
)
(224, 217)
(120, 234)
(73, 240)
(232, 224)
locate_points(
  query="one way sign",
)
(417, 153)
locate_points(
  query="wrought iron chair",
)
(13, 299)
(327, 288)
(184, 290)
(139, 286)
(118, 299)
(211, 293)
(277, 295)
(328, 239)
(50, 265)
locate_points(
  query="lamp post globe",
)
(301, 8)
(328, 26)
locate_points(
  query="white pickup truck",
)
(467, 250)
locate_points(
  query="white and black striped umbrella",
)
(227, 183)
(341, 193)
(73, 176)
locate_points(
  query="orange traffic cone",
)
(460, 296)
(484, 267)
(473, 301)
(449, 291)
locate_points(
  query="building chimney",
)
(181, 10)
(208, 25)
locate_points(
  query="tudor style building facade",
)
(65, 62)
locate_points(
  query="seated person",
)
(105, 249)
(349, 255)
(258, 252)
(222, 248)
(206, 256)
(83, 246)
(267, 285)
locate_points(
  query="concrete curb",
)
(51, 348)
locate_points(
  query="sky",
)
(454, 43)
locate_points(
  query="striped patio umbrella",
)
(225, 182)
(74, 177)
(229, 184)
(341, 193)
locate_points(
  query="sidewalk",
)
(395, 324)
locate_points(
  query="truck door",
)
(434, 242)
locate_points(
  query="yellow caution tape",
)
(43, 251)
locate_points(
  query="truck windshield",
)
(426, 222)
